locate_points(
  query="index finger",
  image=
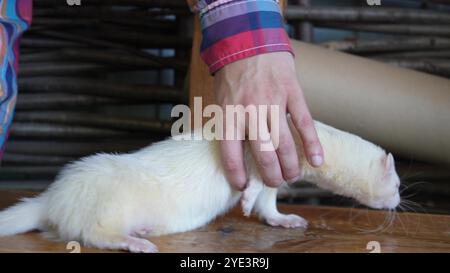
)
(303, 122)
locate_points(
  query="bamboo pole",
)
(302, 193)
(107, 12)
(149, 25)
(139, 38)
(437, 2)
(432, 189)
(149, 93)
(47, 56)
(75, 148)
(139, 3)
(99, 43)
(64, 22)
(28, 172)
(432, 66)
(29, 184)
(20, 159)
(123, 58)
(87, 40)
(414, 171)
(34, 42)
(117, 58)
(404, 29)
(373, 15)
(444, 54)
(155, 25)
(384, 45)
(95, 120)
(46, 131)
(304, 29)
(62, 101)
(61, 69)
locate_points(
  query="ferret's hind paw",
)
(287, 221)
(139, 245)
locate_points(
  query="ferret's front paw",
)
(249, 197)
(139, 245)
(247, 205)
(287, 221)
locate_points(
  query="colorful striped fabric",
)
(237, 29)
(15, 17)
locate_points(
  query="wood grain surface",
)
(330, 230)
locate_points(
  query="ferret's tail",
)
(22, 217)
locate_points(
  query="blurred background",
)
(104, 75)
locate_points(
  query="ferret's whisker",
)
(407, 186)
(388, 221)
(417, 205)
(402, 224)
(392, 220)
(408, 207)
(409, 204)
(353, 215)
(412, 203)
(392, 223)
(381, 228)
(395, 217)
(362, 230)
(410, 195)
(404, 204)
(402, 187)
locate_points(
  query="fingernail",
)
(316, 160)
(293, 180)
(241, 186)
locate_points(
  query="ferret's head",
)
(369, 175)
(358, 169)
(382, 191)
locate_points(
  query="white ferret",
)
(118, 201)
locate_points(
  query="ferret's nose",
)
(393, 202)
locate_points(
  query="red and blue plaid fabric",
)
(237, 29)
(15, 17)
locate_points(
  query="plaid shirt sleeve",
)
(237, 29)
(15, 17)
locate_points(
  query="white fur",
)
(354, 168)
(112, 201)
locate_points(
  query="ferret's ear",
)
(389, 165)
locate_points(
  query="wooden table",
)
(330, 230)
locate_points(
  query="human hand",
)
(267, 79)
